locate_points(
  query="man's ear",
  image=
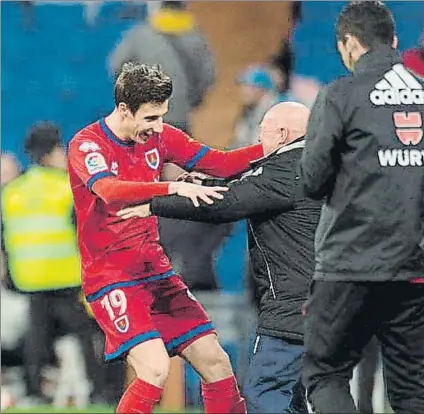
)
(284, 135)
(395, 42)
(123, 109)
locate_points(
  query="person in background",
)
(281, 68)
(171, 39)
(40, 241)
(365, 160)
(257, 93)
(12, 329)
(10, 168)
(413, 59)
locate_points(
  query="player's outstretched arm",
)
(112, 190)
(192, 194)
(92, 165)
(190, 154)
(266, 191)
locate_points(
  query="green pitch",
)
(89, 410)
(49, 409)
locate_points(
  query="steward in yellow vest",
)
(39, 238)
(38, 230)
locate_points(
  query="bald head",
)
(9, 168)
(283, 124)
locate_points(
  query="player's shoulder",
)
(89, 139)
(171, 131)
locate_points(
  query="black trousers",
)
(53, 313)
(341, 318)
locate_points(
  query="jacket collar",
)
(299, 143)
(384, 56)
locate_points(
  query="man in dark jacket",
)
(365, 154)
(282, 225)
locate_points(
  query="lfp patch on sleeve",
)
(95, 163)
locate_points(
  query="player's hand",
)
(143, 211)
(196, 192)
(193, 177)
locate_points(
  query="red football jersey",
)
(115, 250)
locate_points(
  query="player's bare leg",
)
(219, 386)
(151, 364)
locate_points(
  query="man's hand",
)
(172, 172)
(142, 211)
(195, 192)
(193, 177)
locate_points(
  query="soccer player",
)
(143, 307)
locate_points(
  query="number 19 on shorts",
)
(115, 304)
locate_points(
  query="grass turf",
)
(51, 409)
(71, 410)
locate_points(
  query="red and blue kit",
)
(127, 278)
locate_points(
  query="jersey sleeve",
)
(192, 155)
(90, 160)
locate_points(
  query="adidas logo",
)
(399, 87)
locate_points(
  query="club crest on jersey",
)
(152, 158)
(122, 324)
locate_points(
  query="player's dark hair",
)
(42, 139)
(141, 84)
(371, 22)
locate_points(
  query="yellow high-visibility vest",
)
(38, 232)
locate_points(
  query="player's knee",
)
(212, 361)
(154, 372)
(217, 364)
(150, 362)
(217, 357)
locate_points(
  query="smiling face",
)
(146, 122)
(142, 94)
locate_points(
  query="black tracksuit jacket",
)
(365, 154)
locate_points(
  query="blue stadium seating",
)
(54, 63)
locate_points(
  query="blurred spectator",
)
(305, 89)
(281, 68)
(10, 168)
(414, 58)
(171, 39)
(281, 64)
(258, 94)
(40, 240)
(291, 87)
(296, 13)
